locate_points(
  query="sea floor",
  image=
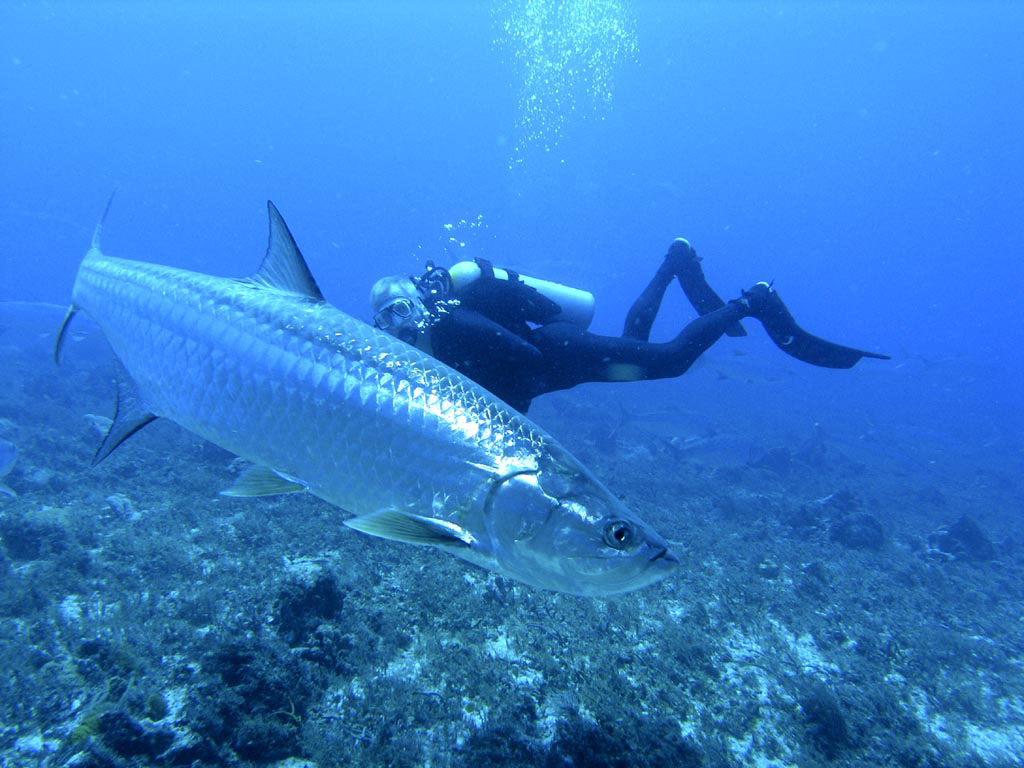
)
(851, 594)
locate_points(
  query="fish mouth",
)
(666, 555)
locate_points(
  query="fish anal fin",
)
(412, 529)
(259, 480)
(283, 266)
(129, 415)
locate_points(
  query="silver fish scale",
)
(367, 421)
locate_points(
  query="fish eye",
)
(618, 534)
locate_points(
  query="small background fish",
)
(8, 455)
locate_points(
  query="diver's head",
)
(397, 307)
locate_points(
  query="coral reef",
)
(146, 620)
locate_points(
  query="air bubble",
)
(565, 54)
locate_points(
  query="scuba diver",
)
(520, 337)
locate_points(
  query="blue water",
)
(867, 157)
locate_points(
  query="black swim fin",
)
(798, 343)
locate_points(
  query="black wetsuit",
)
(503, 334)
(487, 336)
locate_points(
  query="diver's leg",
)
(698, 335)
(573, 356)
(763, 304)
(700, 294)
(641, 315)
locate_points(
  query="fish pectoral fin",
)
(6, 491)
(130, 415)
(412, 529)
(258, 480)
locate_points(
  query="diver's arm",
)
(468, 334)
(497, 298)
(538, 308)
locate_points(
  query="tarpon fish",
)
(266, 368)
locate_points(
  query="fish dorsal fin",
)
(129, 416)
(99, 226)
(283, 267)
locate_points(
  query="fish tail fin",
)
(94, 245)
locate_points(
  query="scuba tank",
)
(577, 306)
